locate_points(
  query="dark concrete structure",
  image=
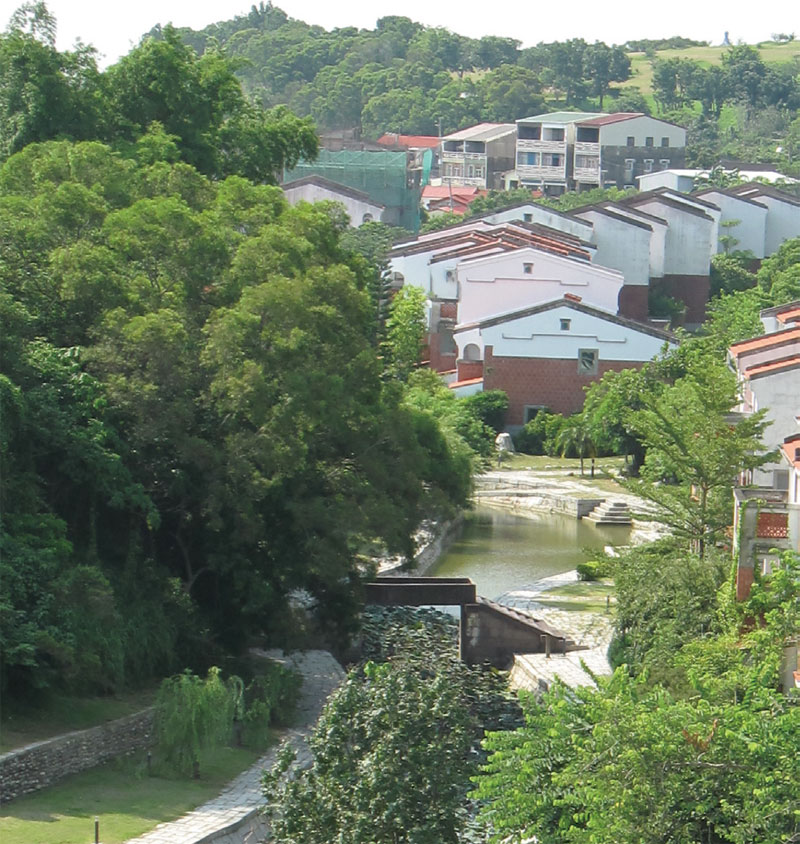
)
(489, 631)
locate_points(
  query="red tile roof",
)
(466, 383)
(392, 139)
(772, 366)
(442, 191)
(791, 448)
(765, 341)
(611, 118)
(792, 315)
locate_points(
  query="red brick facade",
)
(437, 361)
(544, 382)
(633, 301)
(468, 369)
(692, 290)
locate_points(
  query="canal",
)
(501, 551)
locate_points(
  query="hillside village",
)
(272, 298)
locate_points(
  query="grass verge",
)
(583, 596)
(126, 800)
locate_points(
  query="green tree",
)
(603, 65)
(694, 453)
(406, 328)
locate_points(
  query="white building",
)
(360, 208)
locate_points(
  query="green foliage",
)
(393, 749)
(630, 761)
(730, 274)
(540, 435)
(489, 407)
(405, 331)
(192, 714)
(595, 569)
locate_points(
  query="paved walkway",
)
(591, 631)
(233, 815)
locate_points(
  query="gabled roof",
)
(333, 187)
(771, 367)
(671, 199)
(776, 339)
(760, 189)
(779, 309)
(618, 117)
(729, 193)
(568, 302)
(609, 212)
(482, 132)
(511, 206)
(442, 191)
(791, 450)
(789, 316)
(392, 139)
(562, 117)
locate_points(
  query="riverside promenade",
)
(233, 817)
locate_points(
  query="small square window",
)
(648, 165)
(631, 141)
(665, 163)
(665, 142)
(648, 142)
(527, 218)
(527, 269)
(587, 361)
(630, 164)
(565, 324)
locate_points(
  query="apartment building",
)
(479, 155)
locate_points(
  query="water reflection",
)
(501, 551)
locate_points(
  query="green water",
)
(501, 551)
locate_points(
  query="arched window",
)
(472, 352)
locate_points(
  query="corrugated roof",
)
(482, 132)
(618, 117)
(563, 117)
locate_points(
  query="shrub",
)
(595, 569)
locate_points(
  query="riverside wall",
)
(39, 765)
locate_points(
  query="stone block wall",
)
(39, 765)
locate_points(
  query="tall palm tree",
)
(574, 438)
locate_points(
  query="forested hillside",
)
(405, 77)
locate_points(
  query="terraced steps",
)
(610, 513)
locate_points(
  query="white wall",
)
(356, 208)
(779, 394)
(498, 284)
(666, 179)
(545, 217)
(689, 239)
(783, 223)
(621, 246)
(751, 229)
(616, 134)
(658, 237)
(540, 336)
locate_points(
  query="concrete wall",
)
(621, 246)
(616, 134)
(490, 636)
(783, 223)
(752, 217)
(39, 765)
(692, 290)
(779, 394)
(689, 238)
(545, 217)
(658, 237)
(356, 209)
(499, 284)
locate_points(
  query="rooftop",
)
(333, 187)
(393, 139)
(563, 117)
(765, 341)
(618, 117)
(482, 132)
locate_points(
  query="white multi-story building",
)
(477, 156)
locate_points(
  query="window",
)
(527, 218)
(565, 324)
(552, 160)
(472, 351)
(470, 171)
(665, 142)
(665, 162)
(631, 141)
(527, 269)
(648, 142)
(587, 162)
(528, 159)
(587, 361)
(648, 165)
(630, 164)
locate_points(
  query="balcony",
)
(524, 145)
(541, 173)
(458, 157)
(587, 174)
(586, 148)
(465, 181)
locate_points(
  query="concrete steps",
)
(610, 513)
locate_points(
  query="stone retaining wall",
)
(527, 499)
(39, 765)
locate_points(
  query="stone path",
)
(233, 816)
(591, 631)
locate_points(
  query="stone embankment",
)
(39, 765)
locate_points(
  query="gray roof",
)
(482, 132)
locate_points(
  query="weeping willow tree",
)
(192, 714)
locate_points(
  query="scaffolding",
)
(390, 178)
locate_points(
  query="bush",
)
(540, 435)
(489, 407)
(595, 569)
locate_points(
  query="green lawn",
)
(583, 596)
(127, 801)
(542, 462)
(23, 724)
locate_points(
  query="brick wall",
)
(692, 290)
(632, 301)
(547, 382)
(438, 361)
(470, 369)
(39, 765)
